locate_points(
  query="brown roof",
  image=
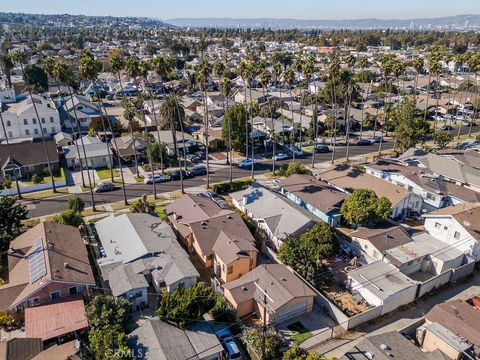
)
(384, 238)
(20, 348)
(49, 321)
(27, 153)
(349, 178)
(230, 247)
(460, 318)
(65, 257)
(281, 285)
(66, 351)
(315, 192)
(125, 145)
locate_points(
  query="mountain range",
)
(458, 22)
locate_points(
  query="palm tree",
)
(7, 65)
(265, 78)
(333, 71)
(277, 72)
(474, 66)
(289, 79)
(173, 112)
(250, 73)
(204, 71)
(89, 68)
(242, 71)
(19, 57)
(363, 62)
(307, 70)
(226, 89)
(417, 64)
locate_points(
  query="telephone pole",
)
(264, 327)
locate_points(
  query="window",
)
(10, 134)
(230, 270)
(409, 188)
(35, 131)
(43, 120)
(456, 235)
(44, 130)
(72, 290)
(25, 122)
(33, 301)
(138, 294)
(55, 295)
(51, 119)
(438, 225)
(27, 132)
(430, 196)
(445, 228)
(8, 123)
(53, 130)
(34, 121)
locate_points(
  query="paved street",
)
(42, 207)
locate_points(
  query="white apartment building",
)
(21, 120)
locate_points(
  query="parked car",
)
(447, 127)
(363, 142)
(231, 345)
(322, 149)
(192, 158)
(245, 163)
(175, 175)
(280, 156)
(151, 179)
(104, 187)
(198, 170)
(215, 197)
(377, 139)
(294, 150)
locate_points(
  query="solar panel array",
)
(36, 261)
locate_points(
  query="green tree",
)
(11, 216)
(253, 338)
(6, 319)
(68, 217)
(410, 127)
(293, 168)
(35, 78)
(363, 206)
(442, 138)
(106, 311)
(297, 353)
(108, 343)
(184, 305)
(153, 152)
(234, 126)
(142, 206)
(36, 179)
(76, 203)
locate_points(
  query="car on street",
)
(294, 150)
(280, 156)
(230, 344)
(322, 149)
(175, 175)
(377, 139)
(151, 179)
(104, 187)
(245, 163)
(198, 170)
(364, 142)
(447, 127)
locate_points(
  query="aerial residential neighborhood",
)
(220, 181)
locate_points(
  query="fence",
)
(463, 270)
(433, 283)
(32, 188)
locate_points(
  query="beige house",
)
(286, 293)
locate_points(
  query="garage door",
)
(288, 312)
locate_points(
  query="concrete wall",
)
(32, 188)
(362, 318)
(433, 283)
(463, 271)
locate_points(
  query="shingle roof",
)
(27, 153)
(20, 348)
(383, 238)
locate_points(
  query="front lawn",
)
(104, 174)
(45, 194)
(301, 333)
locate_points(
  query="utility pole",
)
(264, 328)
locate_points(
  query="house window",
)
(34, 121)
(51, 119)
(430, 196)
(456, 235)
(8, 123)
(55, 295)
(53, 130)
(33, 301)
(229, 269)
(138, 294)
(438, 225)
(445, 228)
(73, 290)
(44, 130)
(43, 120)
(410, 188)
(27, 132)
(25, 122)
(35, 131)
(10, 134)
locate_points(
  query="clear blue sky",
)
(299, 9)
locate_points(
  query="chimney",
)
(245, 200)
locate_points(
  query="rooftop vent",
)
(384, 347)
(204, 223)
(66, 265)
(244, 288)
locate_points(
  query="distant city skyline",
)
(295, 9)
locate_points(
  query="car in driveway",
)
(198, 170)
(447, 127)
(245, 163)
(104, 187)
(175, 175)
(322, 149)
(151, 179)
(280, 156)
(231, 345)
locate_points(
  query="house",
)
(267, 126)
(257, 97)
(98, 156)
(288, 296)
(141, 251)
(436, 337)
(389, 345)
(20, 348)
(315, 196)
(167, 138)
(219, 237)
(128, 146)
(55, 320)
(435, 190)
(348, 179)
(382, 284)
(458, 226)
(277, 216)
(66, 351)
(28, 159)
(457, 317)
(159, 340)
(21, 120)
(63, 139)
(80, 107)
(215, 138)
(46, 263)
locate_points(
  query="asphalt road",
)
(48, 206)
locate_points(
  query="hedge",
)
(224, 188)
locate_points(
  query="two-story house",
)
(80, 107)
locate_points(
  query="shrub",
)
(293, 168)
(5, 319)
(68, 217)
(7, 183)
(76, 203)
(237, 185)
(36, 179)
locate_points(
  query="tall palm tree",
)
(289, 79)
(129, 115)
(333, 71)
(242, 72)
(173, 112)
(250, 74)
(226, 88)
(204, 71)
(265, 78)
(417, 64)
(277, 72)
(63, 74)
(19, 57)
(307, 70)
(363, 62)
(7, 65)
(474, 66)
(89, 68)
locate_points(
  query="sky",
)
(298, 9)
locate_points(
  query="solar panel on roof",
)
(36, 261)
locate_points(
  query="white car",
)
(245, 163)
(280, 156)
(152, 179)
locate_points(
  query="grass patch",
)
(138, 178)
(160, 210)
(104, 174)
(301, 333)
(90, 212)
(29, 223)
(93, 221)
(119, 206)
(45, 194)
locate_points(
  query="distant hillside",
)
(459, 22)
